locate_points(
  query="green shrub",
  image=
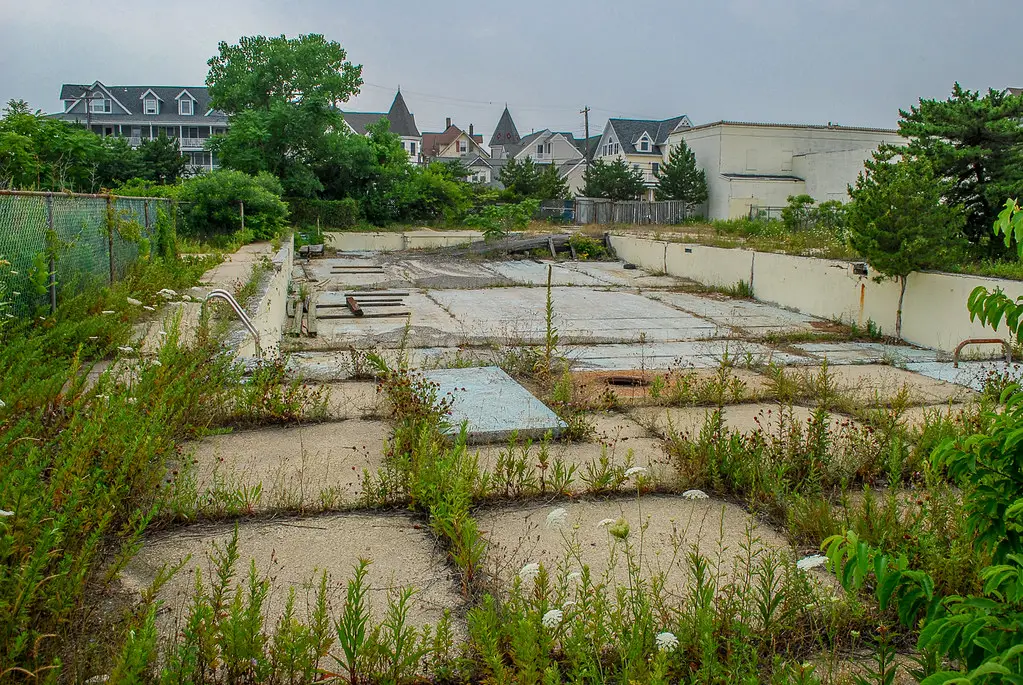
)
(497, 220)
(211, 205)
(342, 213)
(587, 248)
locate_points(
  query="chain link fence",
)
(54, 243)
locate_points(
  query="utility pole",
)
(586, 119)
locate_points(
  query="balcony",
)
(192, 143)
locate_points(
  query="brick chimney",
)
(447, 123)
(470, 130)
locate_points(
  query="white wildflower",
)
(166, 291)
(108, 311)
(102, 397)
(812, 561)
(694, 494)
(552, 619)
(605, 523)
(13, 272)
(557, 518)
(148, 308)
(635, 471)
(666, 642)
(93, 337)
(156, 362)
(4, 512)
(163, 332)
(15, 293)
(126, 349)
(132, 400)
(133, 302)
(529, 571)
(186, 298)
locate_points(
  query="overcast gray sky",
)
(853, 62)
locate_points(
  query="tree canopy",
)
(529, 180)
(681, 179)
(615, 180)
(975, 142)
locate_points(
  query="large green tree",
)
(615, 180)
(681, 179)
(529, 180)
(899, 220)
(161, 160)
(282, 96)
(974, 141)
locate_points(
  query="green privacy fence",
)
(53, 243)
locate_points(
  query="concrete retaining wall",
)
(934, 312)
(269, 315)
(383, 241)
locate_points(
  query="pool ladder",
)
(229, 298)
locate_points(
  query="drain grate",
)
(627, 381)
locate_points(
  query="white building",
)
(760, 165)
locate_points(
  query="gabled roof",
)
(150, 91)
(433, 143)
(133, 95)
(505, 132)
(1015, 91)
(584, 149)
(360, 120)
(629, 131)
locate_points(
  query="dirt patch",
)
(295, 553)
(318, 465)
(663, 530)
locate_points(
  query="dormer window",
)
(644, 146)
(150, 105)
(185, 107)
(99, 105)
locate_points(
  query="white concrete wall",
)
(827, 159)
(745, 193)
(270, 314)
(934, 311)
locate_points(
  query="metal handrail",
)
(229, 298)
(982, 341)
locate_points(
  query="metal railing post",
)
(53, 264)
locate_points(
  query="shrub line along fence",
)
(78, 237)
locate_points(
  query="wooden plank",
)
(296, 324)
(289, 308)
(386, 314)
(550, 244)
(354, 307)
(311, 317)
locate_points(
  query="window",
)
(539, 149)
(463, 146)
(99, 106)
(412, 149)
(150, 106)
(655, 168)
(644, 146)
(185, 107)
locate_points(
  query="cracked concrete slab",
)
(294, 553)
(970, 374)
(866, 353)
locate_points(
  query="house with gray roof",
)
(403, 124)
(543, 147)
(643, 143)
(138, 113)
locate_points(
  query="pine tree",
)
(975, 141)
(615, 180)
(681, 179)
(899, 221)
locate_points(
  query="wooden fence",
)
(598, 211)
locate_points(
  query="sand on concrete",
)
(666, 528)
(295, 553)
(298, 467)
(742, 418)
(619, 440)
(644, 387)
(354, 400)
(879, 384)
